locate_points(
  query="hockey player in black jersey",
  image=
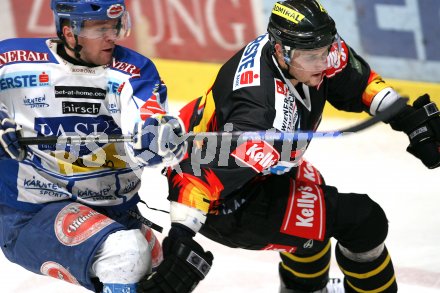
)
(265, 196)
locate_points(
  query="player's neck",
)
(62, 52)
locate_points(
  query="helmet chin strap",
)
(286, 72)
(286, 59)
(77, 51)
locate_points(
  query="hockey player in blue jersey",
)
(69, 211)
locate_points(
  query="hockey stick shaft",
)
(385, 115)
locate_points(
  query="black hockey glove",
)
(421, 123)
(185, 264)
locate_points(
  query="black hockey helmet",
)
(301, 24)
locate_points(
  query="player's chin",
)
(314, 80)
(106, 57)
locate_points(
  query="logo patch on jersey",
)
(305, 212)
(280, 248)
(80, 108)
(154, 245)
(286, 112)
(151, 107)
(82, 70)
(131, 69)
(75, 125)
(36, 102)
(257, 155)
(113, 108)
(248, 70)
(80, 92)
(57, 271)
(22, 56)
(336, 61)
(281, 87)
(76, 223)
(308, 173)
(44, 188)
(24, 79)
(113, 86)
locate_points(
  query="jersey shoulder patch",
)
(248, 69)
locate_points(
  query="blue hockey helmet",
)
(78, 11)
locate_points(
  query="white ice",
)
(373, 161)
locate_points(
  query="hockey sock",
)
(306, 272)
(373, 276)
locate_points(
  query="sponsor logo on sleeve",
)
(76, 223)
(248, 70)
(257, 155)
(80, 92)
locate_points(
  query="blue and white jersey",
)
(49, 96)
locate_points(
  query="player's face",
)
(97, 40)
(309, 78)
(98, 50)
(307, 66)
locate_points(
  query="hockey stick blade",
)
(385, 115)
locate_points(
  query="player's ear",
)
(68, 34)
(278, 52)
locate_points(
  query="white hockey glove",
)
(9, 134)
(158, 140)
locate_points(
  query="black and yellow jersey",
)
(251, 93)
